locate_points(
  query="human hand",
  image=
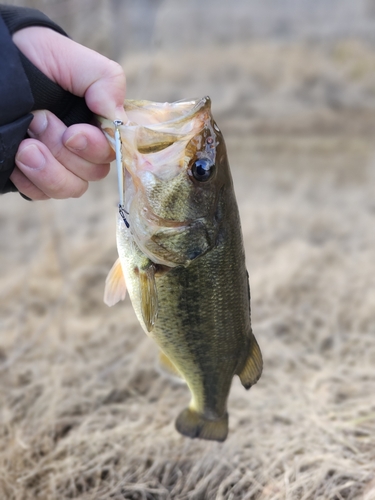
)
(59, 161)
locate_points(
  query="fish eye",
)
(202, 169)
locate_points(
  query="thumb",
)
(76, 68)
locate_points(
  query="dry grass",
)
(84, 411)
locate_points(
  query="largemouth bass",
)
(181, 255)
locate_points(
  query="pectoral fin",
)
(252, 369)
(149, 296)
(168, 367)
(115, 286)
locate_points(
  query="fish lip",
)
(197, 105)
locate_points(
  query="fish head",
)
(175, 166)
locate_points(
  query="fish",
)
(181, 255)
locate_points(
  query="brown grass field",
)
(85, 412)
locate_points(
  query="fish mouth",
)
(163, 116)
(153, 126)
(155, 136)
(153, 146)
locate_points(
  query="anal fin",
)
(252, 369)
(115, 286)
(168, 367)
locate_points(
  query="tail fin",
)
(195, 425)
(252, 369)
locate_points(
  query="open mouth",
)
(153, 147)
(154, 139)
(155, 115)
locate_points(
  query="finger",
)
(89, 143)
(26, 187)
(42, 169)
(49, 130)
(76, 68)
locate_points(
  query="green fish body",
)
(182, 256)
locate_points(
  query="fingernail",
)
(31, 157)
(38, 124)
(77, 142)
(121, 115)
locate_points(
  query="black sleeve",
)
(23, 88)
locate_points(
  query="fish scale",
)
(184, 263)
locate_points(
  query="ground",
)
(85, 412)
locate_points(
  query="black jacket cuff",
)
(17, 18)
(10, 137)
(25, 88)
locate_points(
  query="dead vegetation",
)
(85, 412)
